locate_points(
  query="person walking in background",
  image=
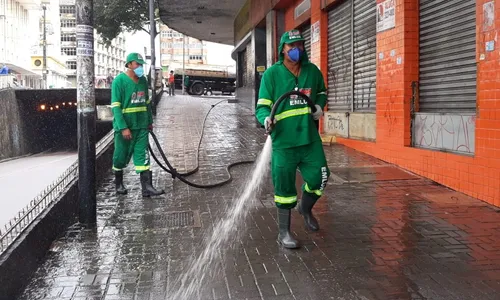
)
(171, 84)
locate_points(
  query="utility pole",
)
(183, 62)
(86, 113)
(152, 35)
(44, 68)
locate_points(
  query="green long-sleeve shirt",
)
(130, 103)
(294, 123)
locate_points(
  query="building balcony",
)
(68, 44)
(68, 29)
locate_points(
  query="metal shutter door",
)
(448, 68)
(339, 57)
(365, 55)
(306, 33)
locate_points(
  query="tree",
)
(112, 17)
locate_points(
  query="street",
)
(23, 179)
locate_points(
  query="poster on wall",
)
(386, 15)
(315, 32)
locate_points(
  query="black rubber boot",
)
(147, 187)
(305, 209)
(285, 238)
(120, 188)
(150, 177)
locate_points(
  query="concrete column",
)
(280, 29)
(271, 38)
(260, 58)
(319, 49)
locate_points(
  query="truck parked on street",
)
(199, 81)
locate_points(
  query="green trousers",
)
(311, 161)
(137, 148)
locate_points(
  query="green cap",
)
(135, 57)
(291, 36)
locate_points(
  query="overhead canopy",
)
(210, 20)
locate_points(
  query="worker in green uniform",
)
(132, 120)
(296, 140)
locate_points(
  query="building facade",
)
(412, 82)
(56, 67)
(175, 47)
(108, 60)
(17, 21)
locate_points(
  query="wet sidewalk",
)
(385, 233)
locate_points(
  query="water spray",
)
(201, 267)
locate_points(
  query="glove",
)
(268, 124)
(318, 113)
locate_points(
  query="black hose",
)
(171, 170)
(285, 96)
(197, 151)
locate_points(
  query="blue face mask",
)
(295, 54)
(139, 71)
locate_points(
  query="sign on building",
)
(386, 15)
(315, 32)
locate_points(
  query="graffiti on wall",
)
(448, 132)
(389, 116)
(341, 75)
(336, 123)
(364, 86)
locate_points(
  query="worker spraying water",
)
(291, 98)
(295, 139)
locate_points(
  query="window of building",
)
(67, 9)
(68, 51)
(71, 65)
(195, 57)
(68, 37)
(67, 23)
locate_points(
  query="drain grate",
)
(189, 218)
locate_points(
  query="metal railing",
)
(20, 81)
(6, 81)
(16, 226)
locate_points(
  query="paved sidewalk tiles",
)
(385, 233)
